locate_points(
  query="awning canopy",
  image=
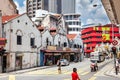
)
(2, 42)
(56, 51)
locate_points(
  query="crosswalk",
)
(11, 77)
(55, 72)
(81, 72)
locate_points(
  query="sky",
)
(89, 14)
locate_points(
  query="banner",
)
(105, 33)
(105, 37)
(95, 28)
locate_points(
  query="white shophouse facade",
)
(53, 36)
(23, 40)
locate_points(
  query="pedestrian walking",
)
(75, 74)
(117, 64)
(59, 66)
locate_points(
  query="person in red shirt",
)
(75, 75)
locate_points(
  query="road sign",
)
(114, 42)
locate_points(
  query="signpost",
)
(114, 42)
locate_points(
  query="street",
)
(83, 69)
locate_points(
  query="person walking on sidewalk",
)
(117, 64)
(75, 74)
(59, 66)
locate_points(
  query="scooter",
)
(93, 67)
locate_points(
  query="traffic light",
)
(114, 50)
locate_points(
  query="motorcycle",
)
(94, 66)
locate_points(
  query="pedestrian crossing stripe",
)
(11, 77)
(79, 71)
(92, 78)
(85, 73)
(67, 79)
(50, 72)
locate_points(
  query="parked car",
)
(63, 62)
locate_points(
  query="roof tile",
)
(8, 17)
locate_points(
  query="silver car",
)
(64, 62)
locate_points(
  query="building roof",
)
(8, 18)
(71, 36)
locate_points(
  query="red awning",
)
(2, 41)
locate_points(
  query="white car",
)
(64, 62)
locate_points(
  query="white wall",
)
(28, 30)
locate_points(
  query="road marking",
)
(11, 77)
(51, 72)
(67, 79)
(79, 71)
(92, 78)
(85, 73)
(2, 76)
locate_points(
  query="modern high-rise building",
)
(54, 6)
(73, 22)
(32, 6)
(67, 6)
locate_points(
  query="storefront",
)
(52, 54)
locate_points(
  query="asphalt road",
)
(52, 73)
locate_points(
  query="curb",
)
(108, 73)
(28, 70)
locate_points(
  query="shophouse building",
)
(2, 45)
(75, 43)
(53, 35)
(8, 7)
(22, 42)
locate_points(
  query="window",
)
(32, 41)
(47, 41)
(34, 0)
(39, 0)
(19, 40)
(19, 37)
(59, 43)
(70, 29)
(65, 44)
(18, 21)
(70, 23)
(75, 46)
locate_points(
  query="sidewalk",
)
(25, 70)
(111, 71)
